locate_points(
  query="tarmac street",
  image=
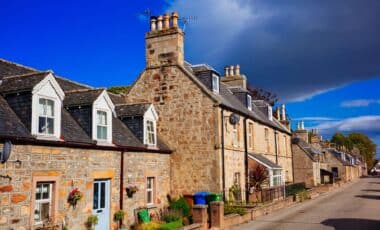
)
(355, 205)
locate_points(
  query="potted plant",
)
(131, 189)
(92, 220)
(74, 196)
(118, 217)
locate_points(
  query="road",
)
(355, 205)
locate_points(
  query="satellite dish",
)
(4, 155)
(234, 119)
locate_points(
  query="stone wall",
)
(137, 167)
(67, 168)
(303, 167)
(332, 161)
(188, 123)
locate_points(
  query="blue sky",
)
(320, 57)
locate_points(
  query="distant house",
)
(68, 136)
(210, 120)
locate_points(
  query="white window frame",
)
(250, 135)
(249, 102)
(279, 176)
(103, 103)
(215, 87)
(148, 132)
(45, 116)
(235, 135)
(102, 125)
(270, 113)
(43, 201)
(150, 192)
(48, 89)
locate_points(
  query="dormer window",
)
(46, 117)
(101, 125)
(249, 102)
(270, 113)
(150, 132)
(215, 83)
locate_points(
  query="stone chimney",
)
(282, 116)
(164, 42)
(301, 132)
(233, 78)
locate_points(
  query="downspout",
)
(275, 146)
(121, 181)
(222, 143)
(246, 161)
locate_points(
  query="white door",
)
(101, 203)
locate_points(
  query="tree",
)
(260, 94)
(365, 145)
(258, 176)
(119, 89)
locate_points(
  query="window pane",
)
(45, 211)
(45, 191)
(102, 118)
(96, 196)
(50, 125)
(102, 195)
(41, 124)
(38, 192)
(149, 197)
(41, 107)
(37, 214)
(102, 132)
(50, 108)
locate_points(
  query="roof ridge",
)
(26, 74)
(83, 90)
(74, 82)
(19, 65)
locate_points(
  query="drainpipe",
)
(222, 142)
(275, 146)
(246, 161)
(121, 179)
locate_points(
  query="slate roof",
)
(21, 82)
(8, 68)
(308, 149)
(71, 130)
(337, 155)
(116, 99)
(263, 160)
(226, 98)
(10, 124)
(75, 94)
(132, 110)
(81, 97)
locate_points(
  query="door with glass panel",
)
(101, 203)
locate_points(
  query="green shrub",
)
(171, 215)
(181, 204)
(171, 225)
(303, 195)
(293, 189)
(228, 209)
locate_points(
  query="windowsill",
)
(104, 143)
(47, 138)
(151, 206)
(151, 146)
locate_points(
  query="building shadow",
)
(374, 182)
(371, 190)
(373, 197)
(352, 224)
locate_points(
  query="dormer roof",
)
(132, 109)
(82, 97)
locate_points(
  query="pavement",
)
(355, 205)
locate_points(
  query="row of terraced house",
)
(181, 129)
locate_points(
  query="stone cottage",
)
(65, 136)
(210, 121)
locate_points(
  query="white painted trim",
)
(254, 158)
(57, 99)
(150, 115)
(109, 109)
(215, 89)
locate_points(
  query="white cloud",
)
(314, 119)
(359, 103)
(368, 124)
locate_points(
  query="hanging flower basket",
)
(131, 189)
(74, 196)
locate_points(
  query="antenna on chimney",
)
(186, 20)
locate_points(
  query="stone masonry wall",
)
(68, 168)
(137, 167)
(332, 161)
(188, 123)
(303, 167)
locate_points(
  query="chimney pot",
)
(278, 113)
(232, 71)
(153, 25)
(166, 21)
(237, 70)
(159, 22)
(174, 19)
(283, 112)
(226, 71)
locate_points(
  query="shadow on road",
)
(374, 197)
(374, 182)
(348, 224)
(371, 190)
